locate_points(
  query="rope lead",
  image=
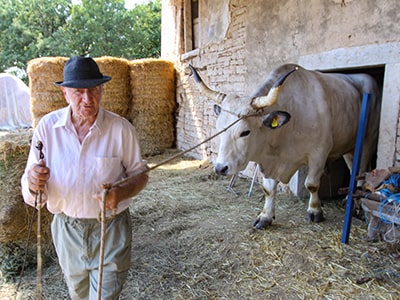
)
(107, 187)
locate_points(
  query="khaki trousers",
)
(77, 243)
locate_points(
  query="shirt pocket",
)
(108, 169)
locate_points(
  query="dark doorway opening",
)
(337, 174)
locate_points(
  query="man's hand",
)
(38, 175)
(111, 198)
(115, 194)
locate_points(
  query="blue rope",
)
(390, 205)
(393, 180)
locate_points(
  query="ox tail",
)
(205, 90)
(273, 94)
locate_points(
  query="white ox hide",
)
(297, 118)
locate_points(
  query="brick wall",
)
(222, 67)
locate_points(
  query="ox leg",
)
(264, 219)
(314, 210)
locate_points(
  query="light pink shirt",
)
(109, 153)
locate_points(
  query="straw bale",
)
(153, 103)
(158, 134)
(45, 96)
(143, 91)
(117, 92)
(14, 217)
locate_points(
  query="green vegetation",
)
(39, 28)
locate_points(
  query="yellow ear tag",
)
(274, 123)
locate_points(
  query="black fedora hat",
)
(82, 72)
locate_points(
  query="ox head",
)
(243, 142)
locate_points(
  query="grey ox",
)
(296, 118)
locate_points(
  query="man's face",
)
(85, 102)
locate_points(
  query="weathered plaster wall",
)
(331, 35)
(217, 22)
(282, 31)
(259, 35)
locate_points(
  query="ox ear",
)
(276, 119)
(217, 109)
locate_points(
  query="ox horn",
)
(273, 94)
(205, 90)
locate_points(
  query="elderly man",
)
(84, 147)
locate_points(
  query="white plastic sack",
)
(14, 103)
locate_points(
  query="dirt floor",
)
(195, 240)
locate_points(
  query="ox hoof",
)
(315, 217)
(262, 223)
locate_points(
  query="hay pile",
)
(142, 91)
(14, 214)
(117, 92)
(153, 103)
(45, 96)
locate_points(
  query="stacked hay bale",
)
(143, 91)
(15, 216)
(117, 92)
(14, 149)
(153, 103)
(45, 96)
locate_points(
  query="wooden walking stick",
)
(103, 220)
(38, 206)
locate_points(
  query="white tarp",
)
(14, 103)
